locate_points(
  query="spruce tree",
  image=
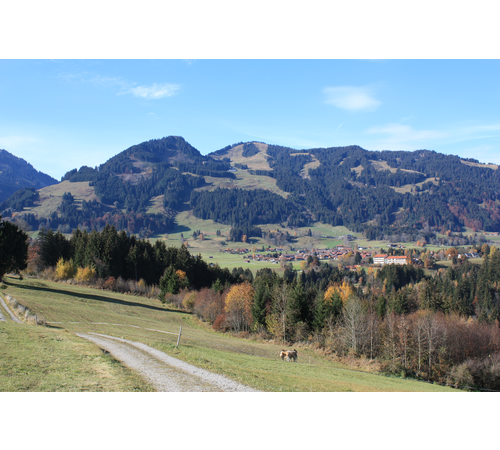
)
(13, 248)
(169, 283)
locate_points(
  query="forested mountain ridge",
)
(248, 184)
(16, 173)
(375, 191)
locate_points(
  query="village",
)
(350, 258)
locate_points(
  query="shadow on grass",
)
(97, 298)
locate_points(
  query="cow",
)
(290, 355)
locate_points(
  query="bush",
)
(208, 304)
(122, 285)
(85, 274)
(460, 377)
(189, 301)
(486, 372)
(110, 284)
(65, 270)
(396, 369)
(220, 323)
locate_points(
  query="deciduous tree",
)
(238, 306)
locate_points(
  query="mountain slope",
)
(16, 173)
(387, 190)
(249, 184)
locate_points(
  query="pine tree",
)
(169, 283)
(13, 248)
(261, 297)
(298, 303)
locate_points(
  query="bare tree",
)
(434, 333)
(373, 332)
(431, 335)
(404, 338)
(281, 305)
(419, 336)
(354, 324)
(390, 324)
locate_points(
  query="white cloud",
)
(154, 91)
(352, 98)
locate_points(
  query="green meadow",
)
(52, 358)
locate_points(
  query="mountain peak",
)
(16, 173)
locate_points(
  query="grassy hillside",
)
(51, 197)
(80, 309)
(43, 359)
(259, 161)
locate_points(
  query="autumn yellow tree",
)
(85, 274)
(238, 306)
(344, 290)
(65, 270)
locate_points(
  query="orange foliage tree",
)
(238, 306)
(344, 290)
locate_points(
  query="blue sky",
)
(62, 114)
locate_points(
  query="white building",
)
(382, 260)
(379, 259)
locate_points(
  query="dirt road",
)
(163, 372)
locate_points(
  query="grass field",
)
(43, 359)
(321, 238)
(28, 348)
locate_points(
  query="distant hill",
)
(249, 184)
(16, 173)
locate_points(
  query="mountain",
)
(16, 173)
(375, 191)
(246, 185)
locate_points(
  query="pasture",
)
(32, 349)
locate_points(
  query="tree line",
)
(115, 254)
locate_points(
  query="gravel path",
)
(9, 312)
(163, 372)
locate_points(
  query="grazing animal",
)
(290, 355)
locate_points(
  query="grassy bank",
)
(41, 359)
(252, 362)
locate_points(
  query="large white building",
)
(382, 259)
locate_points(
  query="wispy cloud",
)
(153, 91)
(394, 136)
(399, 134)
(352, 98)
(396, 133)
